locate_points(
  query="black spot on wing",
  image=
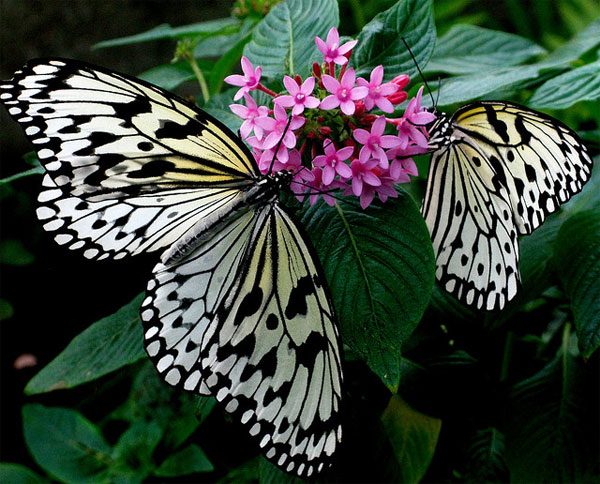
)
(498, 125)
(297, 302)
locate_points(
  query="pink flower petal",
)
(331, 84)
(330, 102)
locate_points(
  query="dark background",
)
(60, 293)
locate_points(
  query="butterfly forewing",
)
(105, 135)
(253, 325)
(539, 160)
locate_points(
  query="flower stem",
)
(262, 88)
(201, 80)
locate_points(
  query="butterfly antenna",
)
(437, 97)
(419, 69)
(279, 144)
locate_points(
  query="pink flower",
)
(249, 113)
(275, 128)
(375, 141)
(333, 162)
(300, 95)
(248, 81)
(343, 93)
(378, 92)
(302, 176)
(402, 165)
(414, 117)
(317, 187)
(331, 50)
(365, 176)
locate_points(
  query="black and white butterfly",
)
(497, 170)
(238, 306)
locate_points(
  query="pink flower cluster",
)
(332, 141)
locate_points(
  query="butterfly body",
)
(238, 306)
(497, 171)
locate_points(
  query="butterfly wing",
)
(101, 134)
(514, 166)
(130, 167)
(471, 226)
(540, 161)
(246, 317)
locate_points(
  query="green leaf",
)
(584, 41)
(38, 170)
(152, 400)
(6, 310)
(169, 76)
(284, 41)
(218, 106)
(577, 260)
(107, 345)
(471, 49)
(66, 444)
(132, 453)
(564, 90)
(380, 42)
(226, 63)
(551, 428)
(165, 31)
(189, 460)
(14, 253)
(18, 474)
(465, 88)
(413, 436)
(380, 268)
(271, 474)
(486, 457)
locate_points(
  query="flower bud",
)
(401, 81)
(398, 97)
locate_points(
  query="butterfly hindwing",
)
(246, 317)
(106, 135)
(476, 242)
(497, 170)
(115, 228)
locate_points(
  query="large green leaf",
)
(380, 42)
(465, 88)
(18, 474)
(552, 422)
(152, 400)
(165, 31)
(169, 76)
(577, 259)
(471, 49)
(284, 41)
(564, 90)
(132, 454)
(584, 41)
(66, 444)
(413, 436)
(486, 457)
(107, 345)
(189, 460)
(380, 268)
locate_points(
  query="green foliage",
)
(85, 359)
(379, 299)
(281, 50)
(466, 396)
(380, 42)
(577, 258)
(413, 437)
(552, 433)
